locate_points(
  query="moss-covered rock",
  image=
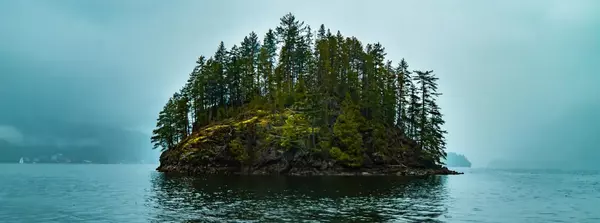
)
(284, 142)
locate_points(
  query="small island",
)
(457, 160)
(303, 103)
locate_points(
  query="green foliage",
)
(339, 155)
(295, 131)
(237, 149)
(346, 131)
(327, 93)
(324, 144)
(380, 140)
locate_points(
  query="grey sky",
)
(509, 69)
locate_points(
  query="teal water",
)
(136, 193)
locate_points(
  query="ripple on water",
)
(130, 193)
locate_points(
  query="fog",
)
(519, 78)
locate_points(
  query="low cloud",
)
(11, 134)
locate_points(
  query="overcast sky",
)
(513, 73)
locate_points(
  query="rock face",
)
(273, 162)
(251, 145)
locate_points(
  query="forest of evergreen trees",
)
(347, 93)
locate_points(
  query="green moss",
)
(261, 113)
(264, 122)
(194, 139)
(250, 132)
(215, 128)
(246, 122)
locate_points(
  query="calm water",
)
(136, 193)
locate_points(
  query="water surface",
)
(137, 193)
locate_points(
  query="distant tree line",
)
(349, 95)
(457, 160)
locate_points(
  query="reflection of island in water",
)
(340, 199)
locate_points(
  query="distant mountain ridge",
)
(78, 144)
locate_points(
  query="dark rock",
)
(210, 151)
(378, 159)
(367, 162)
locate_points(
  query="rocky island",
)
(302, 103)
(456, 160)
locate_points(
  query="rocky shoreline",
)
(307, 171)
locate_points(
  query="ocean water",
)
(137, 193)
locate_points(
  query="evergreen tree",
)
(356, 57)
(164, 134)
(422, 79)
(249, 54)
(346, 131)
(181, 115)
(413, 112)
(431, 134)
(325, 99)
(194, 89)
(267, 55)
(404, 80)
(389, 95)
(234, 80)
(290, 35)
(220, 62)
(321, 34)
